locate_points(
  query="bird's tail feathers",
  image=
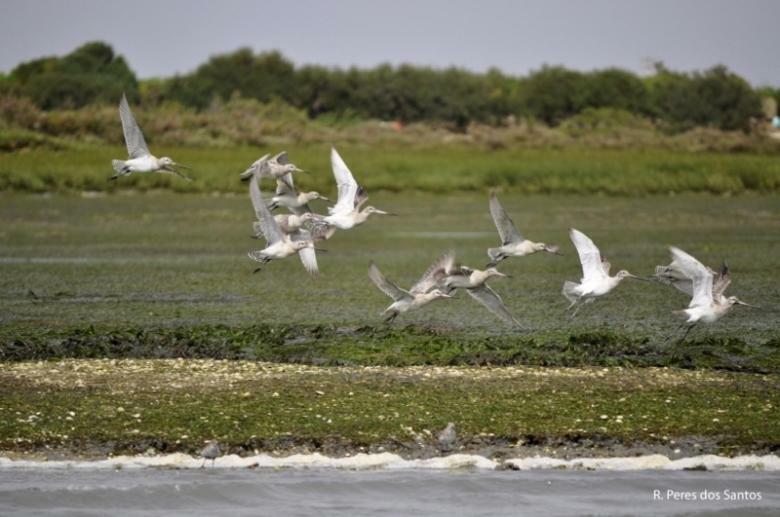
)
(495, 255)
(258, 256)
(119, 167)
(666, 275)
(247, 174)
(570, 291)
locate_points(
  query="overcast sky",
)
(163, 37)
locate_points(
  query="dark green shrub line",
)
(331, 345)
(93, 74)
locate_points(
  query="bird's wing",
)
(258, 167)
(672, 275)
(285, 186)
(385, 285)
(361, 197)
(504, 225)
(347, 186)
(268, 224)
(606, 266)
(700, 275)
(134, 138)
(308, 255)
(492, 301)
(281, 158)
(723, 281)
(434, 274)
(590, 257)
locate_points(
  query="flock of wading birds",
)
(298, 232)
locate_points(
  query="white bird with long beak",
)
(595, 280)
(289, 197)
(277, 167)
(674, 276)
(140, 159)
(513, 244)
(279, 244)
(422, 293)
(288, 223)
(474, 282)
(346, 213)
(708, 302)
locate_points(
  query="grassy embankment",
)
(430, 168)
(103, 406)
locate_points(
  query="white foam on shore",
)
(393, 461)
(652, 462)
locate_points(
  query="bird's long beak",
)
(296, 169)
(320, 249)
(325, 199)
(553, 249)
(643, 279)
(385, 213)
(740, 302)
(503, 275)
(177, 164)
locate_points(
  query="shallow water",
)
(303, 492)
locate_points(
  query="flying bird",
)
(277, 167)
(474, 282)
(140, 159)
(423, 292)
(674, 276)
(279, 244)
(347, 212)
(709, 302)
(289, 197)
(513, 244)
(595, 280)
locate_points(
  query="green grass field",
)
(439, 168)
(157, 261)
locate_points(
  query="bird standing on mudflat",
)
(210, 452)
(140, 159)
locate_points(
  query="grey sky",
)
(160, 37)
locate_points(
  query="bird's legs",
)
(391, 318)
(687, 331)
(173, 173)
(263, 262)
(203, 465)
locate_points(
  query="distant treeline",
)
(94, 73)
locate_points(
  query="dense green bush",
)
(455, 97)
(91, 73)
(715, 98)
